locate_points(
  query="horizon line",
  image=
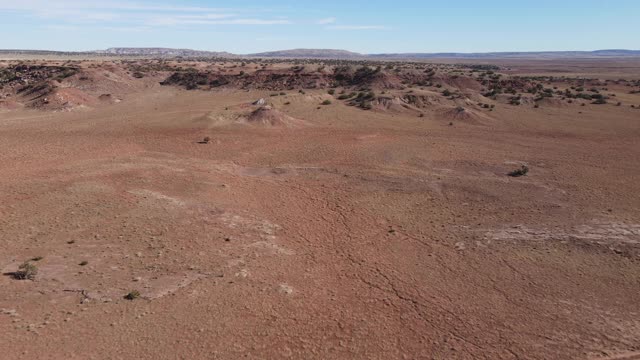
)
(324, 49)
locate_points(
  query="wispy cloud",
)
(137, 14)
(74, 14)
(127, 29)
(43, 5)
(357, 27)
(167, 21)
(209, 16)
(271, 38)
(326, 21)
(61, 27)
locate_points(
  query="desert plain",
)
(319, 209)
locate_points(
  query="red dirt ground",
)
(360, 235)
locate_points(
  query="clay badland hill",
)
(319, 209)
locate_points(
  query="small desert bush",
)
(600, 101)
(132, 295)
(26, 271)
(524, 170)
(347, 96)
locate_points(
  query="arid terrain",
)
(319, 209)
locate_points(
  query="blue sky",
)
(246, 26)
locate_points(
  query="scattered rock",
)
(285, 289)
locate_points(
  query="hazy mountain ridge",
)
(310, 53)
(336, 54)
(162, 52)
(526, 54)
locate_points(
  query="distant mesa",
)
(335, 54)
(310, 53)
(168, 52)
